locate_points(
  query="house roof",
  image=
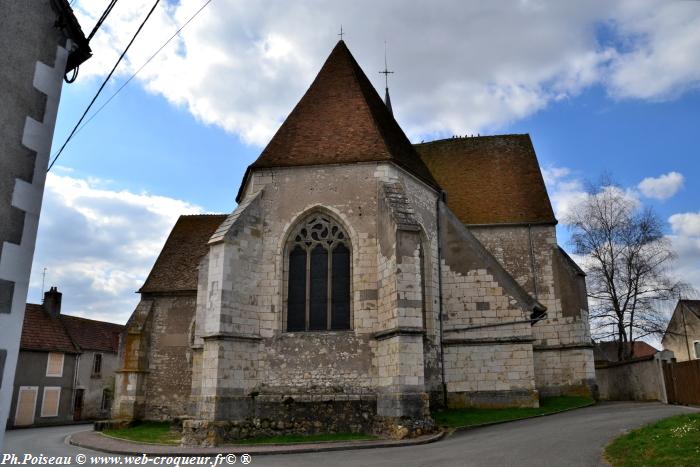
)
(340, 119)
(43, 332)
(692, 305)
(490, 179)
(67, 22)
(65, 333)
(90, 334)
(175, 269)
(607, 351)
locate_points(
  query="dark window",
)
(97, 364)
(340, 288)
(318, 281)
(296, 308)
(318, 294)
(106, 404)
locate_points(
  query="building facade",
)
(42, 42)
(65, 369)
(682, 335)
(360, 282)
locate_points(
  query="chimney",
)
(52, 302)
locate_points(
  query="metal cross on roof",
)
(341, 32)
(386, 71)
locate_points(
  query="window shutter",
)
(49, 404)
(54, 365)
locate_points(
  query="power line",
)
(103, 85)
(102, 19)
(142, 66)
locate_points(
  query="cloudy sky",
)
(601, 86)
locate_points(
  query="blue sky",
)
(603, 87)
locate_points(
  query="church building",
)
(361, 282)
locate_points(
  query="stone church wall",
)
(167, 388)
(487, 335)
(278, 373)
(562, 349)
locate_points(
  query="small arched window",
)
(318, 294)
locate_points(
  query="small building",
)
(682, 334)
(606, 352)
(98, 342)
(65, 368)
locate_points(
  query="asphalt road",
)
(573, 438)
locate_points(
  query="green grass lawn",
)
(147, 432)
(288, 439)
(674, 442)
(473, 417)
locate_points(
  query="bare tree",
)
(626, 261)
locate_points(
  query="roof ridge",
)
(207, 214)
(470, 138)
(90, 319)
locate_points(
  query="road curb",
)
(97, 442)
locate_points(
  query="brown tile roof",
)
(42, 332)
(490, 179)
(176, 267)
(90, 334)
(341, 119)
(607, 351)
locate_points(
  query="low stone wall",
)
(641, 379)
(493, 399)
(275, 415)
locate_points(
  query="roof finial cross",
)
(341, 32)
(386, 71)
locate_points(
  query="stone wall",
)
(154, 380)
(487, 332)
(246, 354)
(563, 355)
(640, 379)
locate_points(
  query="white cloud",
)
(662, 56)
(98, 244)
(687, 224)
(461, 67)
(686, 243)
(662, 187)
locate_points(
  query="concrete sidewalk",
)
(97, 441)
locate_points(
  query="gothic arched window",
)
(318, 293)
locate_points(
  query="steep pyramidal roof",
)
(341, 119)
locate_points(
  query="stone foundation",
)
(588, 388)
(286, 415)
(493, 399)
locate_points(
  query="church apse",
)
(344, 294)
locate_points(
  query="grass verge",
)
(160, 433)
(147, 432)
(324, 437)
(674, 441)
(458, 418)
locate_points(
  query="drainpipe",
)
(440, 197)
(75, 383)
